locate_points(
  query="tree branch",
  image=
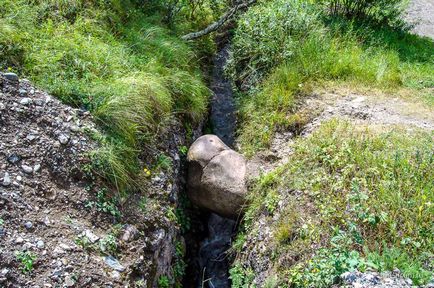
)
(216, 25)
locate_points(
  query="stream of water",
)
(211, 258)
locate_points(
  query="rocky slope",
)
(54, 227)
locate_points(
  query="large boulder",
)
(216, 176)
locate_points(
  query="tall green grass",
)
(111, 58)
(364, 200)
(278, 54)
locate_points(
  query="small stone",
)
(130, 233)
(19, 240)
(30, 137)
(19, 178)
(32, 91)
(6, 180)
(40, 244)
(11, 76)
(114, 263)
(13, 158)
(115, 274)
(22, 92)
(92, 237)
(25, 101)
(74, 128)
(63, 139)
(65, 247)
(69, 281)
(27, 169)
(28, 225)
(37, 167)
(38, 102)
(2, 106)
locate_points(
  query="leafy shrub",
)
(241, 277)
(377, 12)
(267, 35)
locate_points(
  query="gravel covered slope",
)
(48, 207)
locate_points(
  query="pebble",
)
(22, 92)
(91, 236)
(2, 106)
(27, 169)
(63, 139)
(114, 263)
(115, 274)
(28, 225)
(25, 101)
(30, 137)
(11, 76)
(19, 178)
(37, 167)
(19, 240)
(6, 180)
(69, 281)
(40, 244)
(130, 233)
(13, 158)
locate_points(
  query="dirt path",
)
(376, 111)
(421, 13)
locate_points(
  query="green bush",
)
(377, 12)
(267, 35)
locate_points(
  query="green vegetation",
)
(105, 203)
(118, 59)
(282, 49)
(163, 282)
(26, 259)
(365, 199)
(241, 277)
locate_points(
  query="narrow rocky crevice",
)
(208, 245)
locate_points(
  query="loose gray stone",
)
(217, 176)
(25, 101)
(27, 169)
(40, 244)
(63, 139)
(92, 237)
(13, 158)
(22, 92)
(69, 281)
(6, 180)
(37, 167)
(28, 225)
(11, 76)
(19, 240)
(114, 263)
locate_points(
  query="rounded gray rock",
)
(217, 176)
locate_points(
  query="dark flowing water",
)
(211, 261)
